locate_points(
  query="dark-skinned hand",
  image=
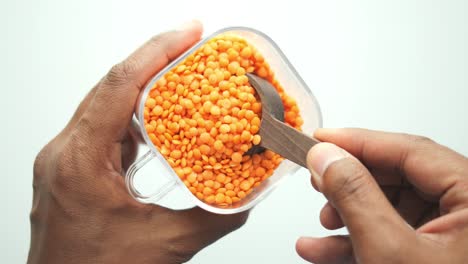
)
(82, 212)
(403, 199)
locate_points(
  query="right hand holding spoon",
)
(403, 198)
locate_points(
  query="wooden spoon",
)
(277, 135)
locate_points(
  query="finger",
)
(329, 217)
(327, 250)
(388, 177)
(199, 228)
(452, 223)
(413, 208)
(111, 109)
(351, 189)
(421, 160)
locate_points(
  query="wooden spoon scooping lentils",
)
(203, 116)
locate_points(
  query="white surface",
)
(397, 65)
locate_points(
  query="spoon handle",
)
(285, 140)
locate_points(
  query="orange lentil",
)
(192, 190)
(217, 185)
(260, 171)
(245, 136)
(221, 190)
(176, 154)
(224, 128)
(152, 136)
(232, 54)
(218, 145)
(149, 128)
(227, 119)
(229, 186)
(254, 129)
(205, 137)
(187, 170)
(230, 193)
(207, 191)
(205, 149)
(150, 103)
(197, 168)
(203, 116)
(244, 147)
(256, 139)
(246, 52)
(215, 110)
(209, 183)
(255, 121)
(219, 198)
(192, 132)
(199, 195)
(157, 110)
(207, 175)
(221, 177)
(192, 178)
(210, 199)
(236, 157)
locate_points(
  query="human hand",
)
(82, 212)
(423, 219)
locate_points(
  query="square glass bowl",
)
(293, 85)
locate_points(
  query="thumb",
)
(111, 110)
(352, 190)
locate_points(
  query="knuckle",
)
(40, 162)
(346, 180)
(180, 247)
(62, 174)
(416, 139)
(161, 43)
(63, 161)
(161, 40)
(85, 127)
(122, 73)
(79, 158)
(71, 159)
(180, 253)
(455, 198)
(35, 215)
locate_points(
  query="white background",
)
(397, 65)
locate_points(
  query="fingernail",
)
(321, 156)
(324, 132)
(188, 25)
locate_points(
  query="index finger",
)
(431, 167)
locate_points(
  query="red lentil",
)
(203, 116)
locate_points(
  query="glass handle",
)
(130, 176)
